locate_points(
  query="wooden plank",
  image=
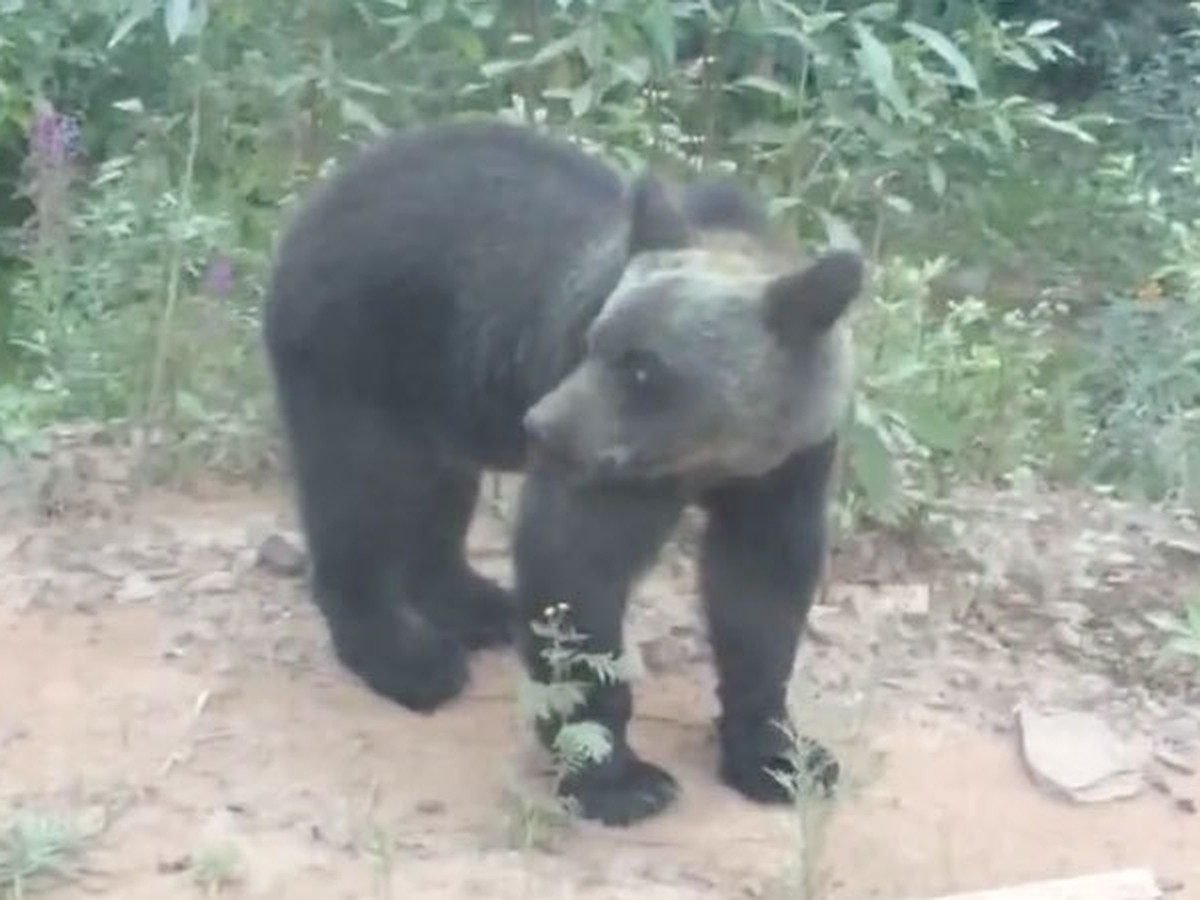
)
(1126, 884)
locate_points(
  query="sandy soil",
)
(157, 679)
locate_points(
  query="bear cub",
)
(479, 296)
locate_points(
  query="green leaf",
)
(469, 45)
(1062, 127)
(190, 406)
(766, 85)
(131, 105)
(838, 232)
(1041, 26)
(1188, 645)
(138, 13)
(876, 62)
(1165, 621)
(660, 29)
(501, 67)
(546, 701)
(582, 742)
(556, 49)
(635, 71)
(815, 23)
(175, 17)
(763, 133)
(358, 114)
(930, 426)
(1019, 57)
(937, 177)
(582, 99)
(945, 48)
(880, 12)
(366, 87)
(872, 465)
(795, 35)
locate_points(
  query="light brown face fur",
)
(714, 361)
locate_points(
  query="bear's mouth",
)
(615, 465)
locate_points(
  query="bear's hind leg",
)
(369, 507)
(760, 561)
(445, 585)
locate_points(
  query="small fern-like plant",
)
(805, 877)
(1183, 633)
(579, 743)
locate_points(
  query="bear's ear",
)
(720, 202)
(810, 300)
(656, 223)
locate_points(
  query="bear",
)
(474, 295)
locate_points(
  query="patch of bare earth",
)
(155, 668)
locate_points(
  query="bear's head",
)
(717, 355)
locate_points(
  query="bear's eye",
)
(638, 368)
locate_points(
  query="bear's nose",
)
(540, 429)
(551, 432)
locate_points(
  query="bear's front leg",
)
(582, 548)
(761, 560)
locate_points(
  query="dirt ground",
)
(161, 677)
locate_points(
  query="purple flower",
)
(49, 169)
(218, 279)
(54, 138)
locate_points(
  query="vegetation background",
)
(1024, 172)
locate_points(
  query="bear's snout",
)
(546, 433)
(537, 428)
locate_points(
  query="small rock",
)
(280, 556)
(24, 592)
(174, 865)
(1156, 779)
(1076, 755)
(1182, 729)
(1075, 614)
(1091, 687)
(100, 466)
(829, 625)
(135, 588)
(431, 807)
(963, 679)
(10, 734)
(10, 544)
(1129, 629)
(662, 655)
(869, 601)
(1186, 805)
(1067, 637)
(1180, 757)
(1185, 546)
(214, 583)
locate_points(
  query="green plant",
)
(216, 869)
(576, 744)
(37, 851)
(812, 809)
(380, 846)
(952, 388)
(159, 144)
(570, 669)
(1183, 632)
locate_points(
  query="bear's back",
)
(450, 268)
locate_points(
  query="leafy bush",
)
(156, 146)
